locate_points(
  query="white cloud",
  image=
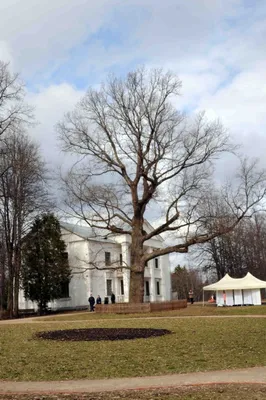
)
(50, 105)
(241, 106)
(6, 53)
(41, 33)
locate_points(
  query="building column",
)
(152, 281)
(163, 288)
(166, 286)
(88, 274)
(126, 272)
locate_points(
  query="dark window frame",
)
(158, 288)
(65, 289)
(107, 258)
(122, 289)
(147, 286)
(109, 287)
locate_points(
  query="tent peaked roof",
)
(251, 282)
(225, 283)
(228, 283)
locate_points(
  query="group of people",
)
(91, 301)
(211, 300)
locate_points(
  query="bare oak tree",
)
(137, 152)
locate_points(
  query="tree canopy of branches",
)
(138, 151)
(23, 195)
(13, 109)
(45, 265)
(238, 252)
(184, 279)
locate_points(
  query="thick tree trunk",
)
(136, 292)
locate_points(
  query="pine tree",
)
(45, 265)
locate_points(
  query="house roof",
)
(82, 231)
(85, 232)
(150, 228)
(227, 283)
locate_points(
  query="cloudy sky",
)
(217, 47)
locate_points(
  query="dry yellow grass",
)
(194, 310)
(194, 345)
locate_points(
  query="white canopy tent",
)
(237, 291)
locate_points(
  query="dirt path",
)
(249, 375)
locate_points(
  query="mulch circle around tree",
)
(97, 334)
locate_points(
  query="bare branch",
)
(13, 110)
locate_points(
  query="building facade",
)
(96, 264)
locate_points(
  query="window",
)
(147, 288)
(121, 260)
(122, 287)
(108, 287)
(146, 263)
(107, 258)
(158, 289)
(65, 255)
(156, 262)
(64, 289)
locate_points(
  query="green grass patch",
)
(195, 345)
(217, 392)
(194, 310)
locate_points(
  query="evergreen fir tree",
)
(45, 269)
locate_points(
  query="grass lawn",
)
(195, 345)
(217, 392)
(194, 310)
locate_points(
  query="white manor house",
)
(86, 251)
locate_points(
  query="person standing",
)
(98, 300)
(113, 298)
(191, 296)
(91, 302)
(224, 297)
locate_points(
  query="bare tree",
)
(13, 109)
(22, 196)
(238, 252)
(184, 279)
(136, 152)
